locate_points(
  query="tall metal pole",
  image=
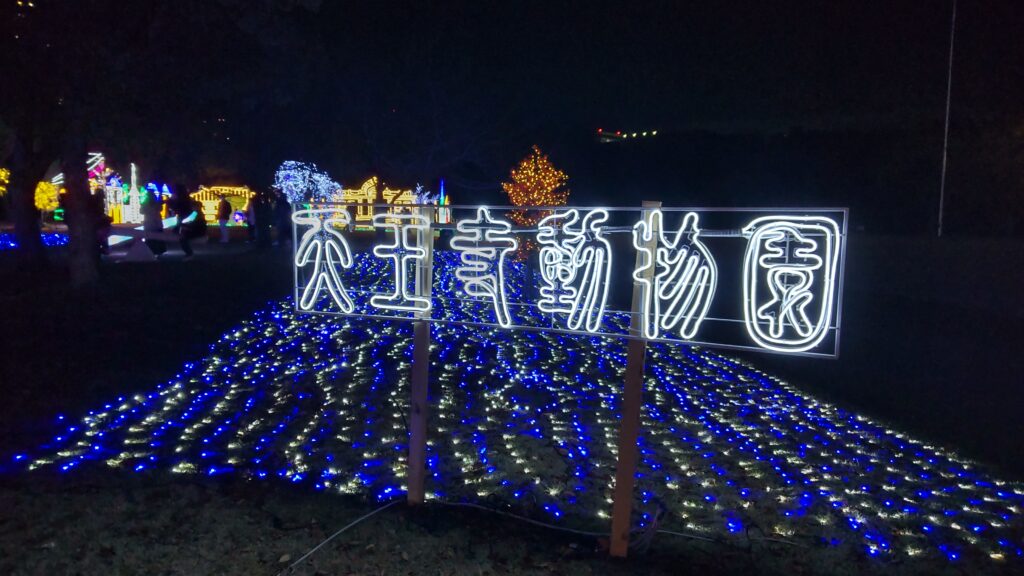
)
(945, 138)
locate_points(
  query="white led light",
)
(575, 267)
(405, 254)
(685, 276)
(301, 181)
(789, 273)
(328, 249)
(482, 243)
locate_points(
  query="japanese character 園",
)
(789, 274)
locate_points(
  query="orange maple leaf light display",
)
(535, 182)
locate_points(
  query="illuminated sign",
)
(575, 263)
(406, 250)
(789, 275)
(743, 278)
(678, 276)
(364, 197)
(326, 248)
(483, 244)
(362, 200)
(301, 182)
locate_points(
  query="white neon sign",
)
(791, 270)
(789, 273)
(406, 254)
(575, 266)
(482, 244)
(327, 248)
(678, 276)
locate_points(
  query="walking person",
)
(151, 222)
(194, 226)
(250, 219)
(264, 213)
(223, 217)
(191, 222)
(283, 216)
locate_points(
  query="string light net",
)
(528, 421)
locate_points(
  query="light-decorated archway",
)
(209, 197)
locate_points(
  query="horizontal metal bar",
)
(577, 207)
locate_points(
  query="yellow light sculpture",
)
(47, 197)
(5, 178)
(237, 196)
(366, 195)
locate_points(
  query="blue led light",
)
(530, 419)
(50, 239)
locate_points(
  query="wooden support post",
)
(629, 427)
(417, 465)
(418, 411)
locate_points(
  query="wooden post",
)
(629, 427)
(417, 465)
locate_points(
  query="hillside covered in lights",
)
(527, 422)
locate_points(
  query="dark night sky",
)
(418, 91)
(715, 65)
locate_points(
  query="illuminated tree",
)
(47, 197)
(302, 181)
(535, 182)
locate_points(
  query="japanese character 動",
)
(575, 267)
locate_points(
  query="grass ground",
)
(163, 525)
(63, 350)
(932, 338)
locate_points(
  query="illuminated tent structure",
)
(237, 196)
(365, 196)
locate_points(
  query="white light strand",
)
(329, 250)
(405, 254)
(482, 244)
(575, 267)
(685, 276)
(783, 255)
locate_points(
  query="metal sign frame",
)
(832, 329)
